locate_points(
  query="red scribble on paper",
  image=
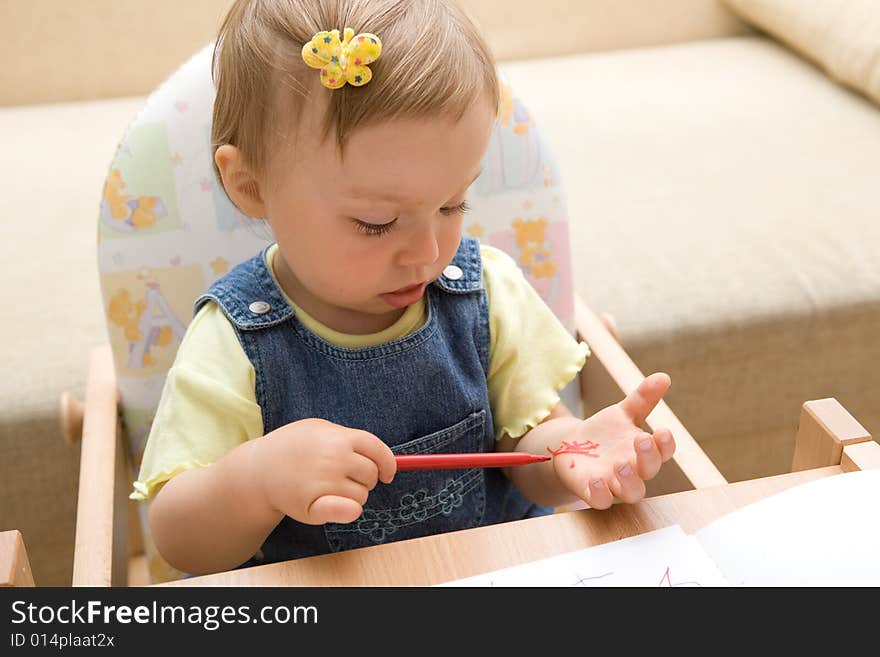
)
(576, 448)
(668, 579)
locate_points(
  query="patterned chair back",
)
(166, 231)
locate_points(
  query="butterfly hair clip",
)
(342, 61)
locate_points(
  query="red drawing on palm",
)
(576, 447)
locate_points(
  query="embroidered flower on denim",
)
(415, 506)
(377, 525)
(412, 509)
(451, 496)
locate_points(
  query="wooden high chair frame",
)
(108, 547)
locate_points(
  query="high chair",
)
(166, 231)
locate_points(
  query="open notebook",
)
(822, 533)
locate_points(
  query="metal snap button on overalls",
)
(259, 307)
(453, 273)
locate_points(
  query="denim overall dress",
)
(423, 393)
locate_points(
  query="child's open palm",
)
(608, 455)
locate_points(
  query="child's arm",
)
(213, 518)
(216, 517)
(605, 456)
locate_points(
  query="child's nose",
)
(422, 248)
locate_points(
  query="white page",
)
(663, 557)
(822, 533)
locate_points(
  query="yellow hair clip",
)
(342, 61)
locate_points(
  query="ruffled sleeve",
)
(208, 405)
(532, 356)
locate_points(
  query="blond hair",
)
(433, 62)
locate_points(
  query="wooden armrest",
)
(15, 569)
(861, 456)
(825, 430)
(100, 460)
(611, 374)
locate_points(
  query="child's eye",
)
(373, 229)
(377, 230)
(461, 208)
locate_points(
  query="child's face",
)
(386, 218)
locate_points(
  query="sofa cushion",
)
(520, 29)
(58, 155)
(841, 36)
(723, 200)
(117, 54)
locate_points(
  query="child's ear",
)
(240, 183)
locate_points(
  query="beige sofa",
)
(722, 191)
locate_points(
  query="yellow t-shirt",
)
(208, 405)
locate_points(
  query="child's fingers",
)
(353, 490)
(363, 470)
(374, 449)
(597, 494)
(626, 485)
(648, 457)
(665, 443)
(333, 508)
(640, 402)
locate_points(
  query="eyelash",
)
(377, 230)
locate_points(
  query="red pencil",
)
(458, 461)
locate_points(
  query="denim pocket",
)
(422, 502)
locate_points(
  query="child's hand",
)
(316, 471)
(608, 455)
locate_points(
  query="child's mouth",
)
(404, 296)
